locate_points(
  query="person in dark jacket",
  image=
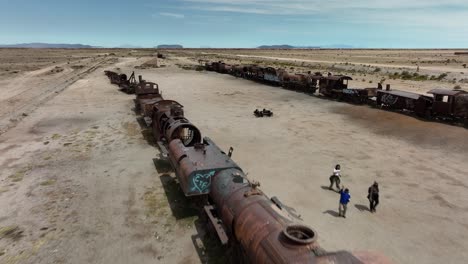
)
(373, 196)
(344, 200)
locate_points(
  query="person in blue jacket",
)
(344, 200)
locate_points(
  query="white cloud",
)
(173, 15)
(432, 14)
(304, 7)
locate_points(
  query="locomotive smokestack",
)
(387, 88)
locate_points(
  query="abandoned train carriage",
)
(405, 101)
(332, 84)
(451, 104)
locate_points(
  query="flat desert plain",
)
(78, 182)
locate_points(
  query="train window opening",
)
(445, 99)
(186, 135)
(345, 83)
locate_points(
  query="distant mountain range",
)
(170, 46)
(164, 46)
(47, 46)
(336, 46)
(129, 46)
(284, 47)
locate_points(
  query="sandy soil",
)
(78, 183)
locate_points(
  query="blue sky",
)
(238, 23)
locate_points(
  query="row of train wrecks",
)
(439, 104)
(251, 225)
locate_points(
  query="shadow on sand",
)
(328, 188)
(332, 213)
(205, 241)
(362, 208)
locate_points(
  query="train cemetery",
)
(231, 163)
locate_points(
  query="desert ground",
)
(78, 181)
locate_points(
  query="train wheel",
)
(428, 115)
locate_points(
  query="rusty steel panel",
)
(147, 88)
(195, 166)
(400, 100)
(446, 92)
(217, 224)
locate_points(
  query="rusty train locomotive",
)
(259, 228)
(444, 104)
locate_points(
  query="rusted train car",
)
(129, 85)
(444, 104)
(405, 101)
(451, 104)
(125, 84)
(259, 229)
(147, 94)
(336, 86)
(116, 78)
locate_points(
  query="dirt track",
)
(78, 183)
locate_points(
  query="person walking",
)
(373, 196)
(344, 200)
(335, 177)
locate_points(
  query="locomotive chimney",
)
(140, 78)
(387, 88)
(299, 234)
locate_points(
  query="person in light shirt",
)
(335, 178)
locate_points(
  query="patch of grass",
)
(12, 232)
(56, 136)
(156, 205)
(188, 221)
(17, 177)
(405, 75)
(48, 182)
(77, 67)
(439, 78)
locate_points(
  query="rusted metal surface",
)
(237, 70)
(272, 75)
(196, 165)
(147, 94)
(406, 101)
(450, 103)
(220, 67)
(446, 92)
(169, 123)
(128, 85)
(296, 82)
(217, 224)
(332, 85)
(262, 113)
